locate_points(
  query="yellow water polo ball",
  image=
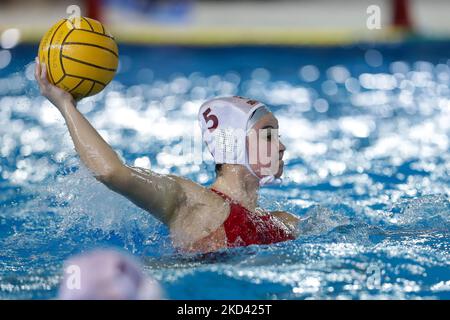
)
(81, 56)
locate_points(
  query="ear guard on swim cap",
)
(224, 126)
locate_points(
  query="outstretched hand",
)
(55, 95)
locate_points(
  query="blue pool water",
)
(367, 162)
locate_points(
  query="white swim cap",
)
(105, 275)
(224, 123)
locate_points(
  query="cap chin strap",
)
(266, 180)
(270, 180)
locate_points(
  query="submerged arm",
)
(290, 221)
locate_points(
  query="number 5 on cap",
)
(211, 117)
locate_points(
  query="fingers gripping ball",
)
(81, 56)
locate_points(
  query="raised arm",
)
(158, 194)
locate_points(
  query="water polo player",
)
(200, 219)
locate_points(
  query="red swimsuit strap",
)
(223, 195)
(229, 199)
